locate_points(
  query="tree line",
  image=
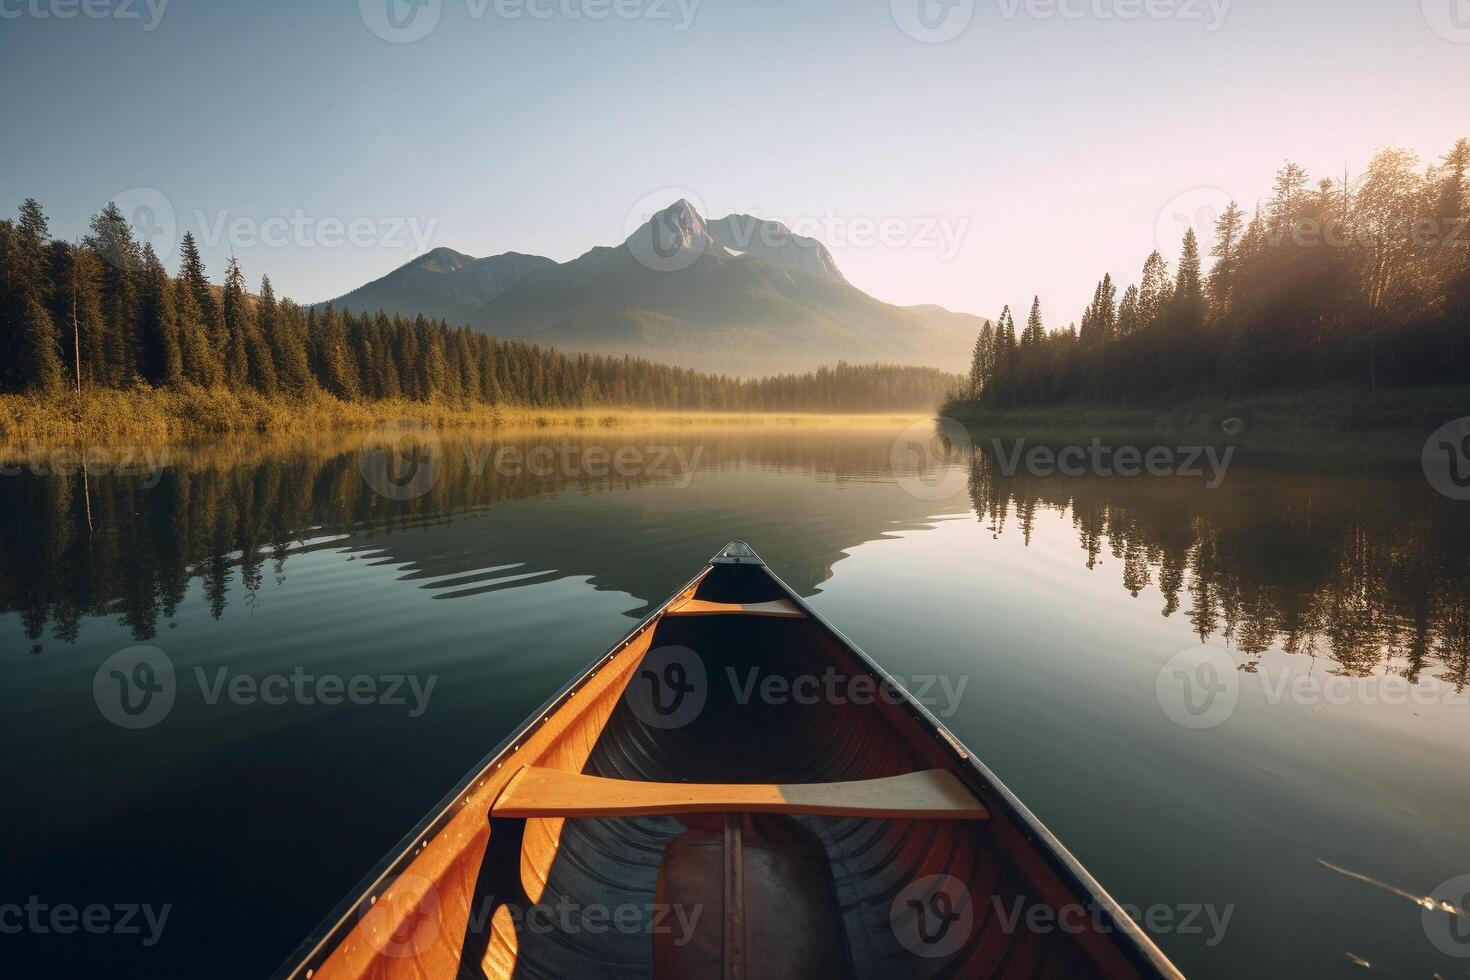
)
(104, 312)
(1362, 282)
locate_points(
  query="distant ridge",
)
(443, 284)
(737, 295)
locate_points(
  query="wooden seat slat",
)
(931, 794)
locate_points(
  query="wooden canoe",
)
(734, 790)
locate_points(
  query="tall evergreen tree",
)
(30, 259)
(1107, 311)
(285, 341)
(236, 316)
(409, 359)
(200, 356)
(1228, 229)
(28, 343)
(980, 360)
(191, 270)
(1130, 317)
(1189, 297)
(160, 360)
(1035, 331)
(336, 366)
(431, 366)
(112, 242)
(490, 376)
(1154, 290)
(1288, 199)
(295, 359)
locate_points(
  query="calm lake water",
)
(1251, 700)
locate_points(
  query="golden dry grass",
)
(191, 413)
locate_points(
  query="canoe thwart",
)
(933, 794)
(780, 608)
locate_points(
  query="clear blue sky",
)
(1052, 143)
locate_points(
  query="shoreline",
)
(196, 414)
(1335, 411)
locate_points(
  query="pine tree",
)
(1090, 317)
(490, 391)
(235, 315)
(451, 391)
(1100, 319)
(160, 361)
(367, 343)
(1107, 311)
(1188, 305)
(1003, 359)
(409, 358)
(296, 361)
(112, 242)
(1228, 229)
(431, 365)
(1035, 331)
(337, 370)
(469, 367)
(1154, 291)
(980, 361)
(1288, 200)
(383, 371)
(30, 265)
(191, 270)
(1130, 318)
(281, 327)
(28, 341)
(199, 354)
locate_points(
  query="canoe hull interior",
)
(726, 699)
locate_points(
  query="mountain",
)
(443, 284)
(957, 327)
(770, 240)
(965, 323)
(738, 295)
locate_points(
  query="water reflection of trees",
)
(227, 516)
(1373, 574)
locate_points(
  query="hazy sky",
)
(1036, 149)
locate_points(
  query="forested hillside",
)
(106, 313)
(1363, 282)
